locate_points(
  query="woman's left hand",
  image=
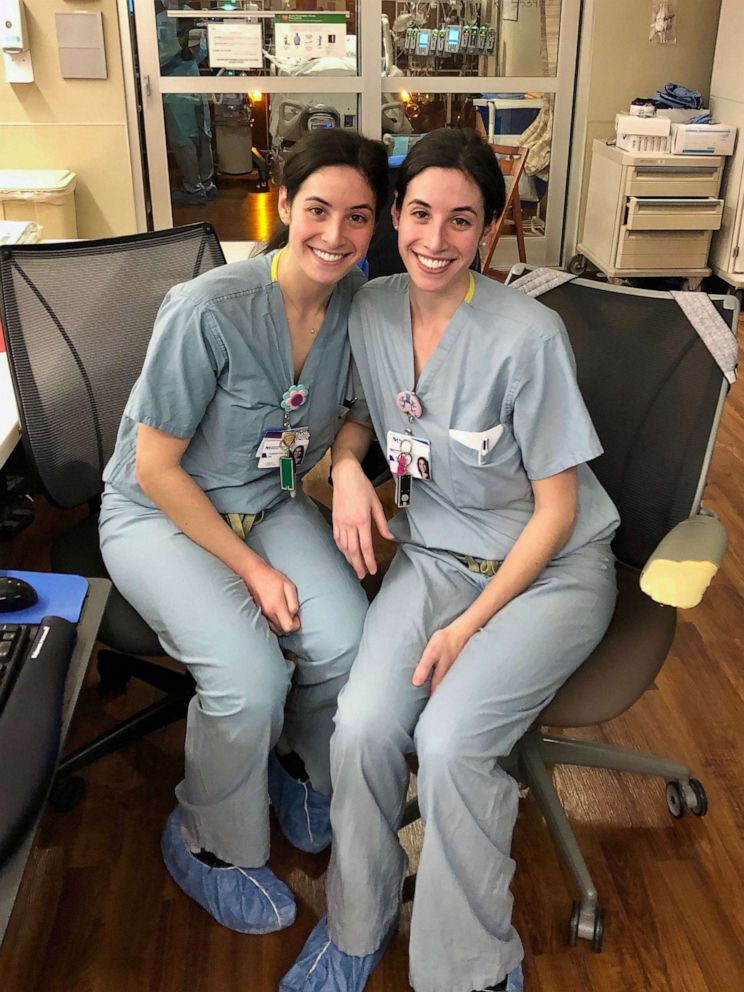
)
(439, 655)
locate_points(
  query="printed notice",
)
(235, 46)
(309, 36)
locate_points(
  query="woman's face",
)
(330, 220)
(440, 224)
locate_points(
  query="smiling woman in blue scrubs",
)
(246, 382)
(502, 584)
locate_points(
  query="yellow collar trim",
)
(275, 266)
(471, 289)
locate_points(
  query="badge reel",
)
(408, 403)
(285, 448)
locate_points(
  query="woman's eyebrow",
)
(455, 210)
(325, 203)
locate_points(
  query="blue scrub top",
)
(502, 373)
(217, 365)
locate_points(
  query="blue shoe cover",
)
(515, 980)
(304, 814)
(322, 967)
(249, 900)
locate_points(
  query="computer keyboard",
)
(34, 659)
(14, 639)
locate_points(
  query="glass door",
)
(230, 85)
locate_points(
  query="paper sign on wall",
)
(309, 36)
(235, 46)
(663, 22)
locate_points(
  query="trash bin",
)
(43, 196)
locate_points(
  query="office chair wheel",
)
(573, 925)
(598, 937)
(67, 793)
(701, 799)
(681, 797)
(113, 674)
(592, 929)
(577, 265)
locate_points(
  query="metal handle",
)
(674, 170)
(677, 203)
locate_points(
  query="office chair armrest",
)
(683, 565)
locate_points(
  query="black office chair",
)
(77, 318)
(655, 395)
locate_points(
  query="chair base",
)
(531, 758)
(116, 670)
(528, 763)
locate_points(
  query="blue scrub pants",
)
(187, 125)
(248, 695)
(461, 932)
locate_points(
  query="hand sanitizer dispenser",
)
(14, 42)
(13, 31)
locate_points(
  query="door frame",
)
(370, 88)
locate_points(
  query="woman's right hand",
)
(276, 597)
(355, 506)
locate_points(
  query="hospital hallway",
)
(239, 213)
(97, 911)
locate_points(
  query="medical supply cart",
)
(650, 214)
(727, 103)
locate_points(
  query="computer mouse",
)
(15, 594)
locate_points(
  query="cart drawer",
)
(674, 214)
(673, 180)
(662, 249)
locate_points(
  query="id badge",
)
(279, 442)
(409, 455)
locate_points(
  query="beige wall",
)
(623, 65)
(77, 124)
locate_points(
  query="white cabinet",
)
(650, 214)
(727, 105)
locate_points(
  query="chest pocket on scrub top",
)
(482, 464)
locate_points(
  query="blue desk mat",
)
(59, 596)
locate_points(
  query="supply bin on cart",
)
(43, 196)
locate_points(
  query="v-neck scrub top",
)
(503, 377)
(218, 363)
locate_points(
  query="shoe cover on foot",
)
(304, 814)
(322, 967)
(515, 980)
(249, 900)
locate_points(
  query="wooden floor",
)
(98, 913)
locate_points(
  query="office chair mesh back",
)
(652, 390)
(78, 318)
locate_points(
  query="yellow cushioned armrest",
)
(682, 566)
